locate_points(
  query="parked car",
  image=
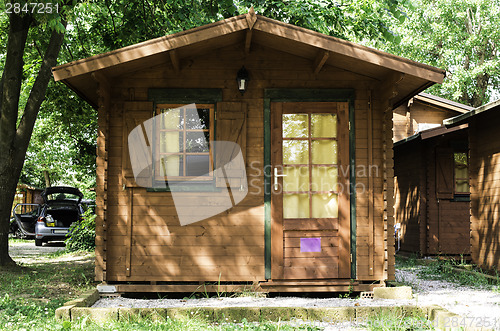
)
(62, 205)
(22, 224)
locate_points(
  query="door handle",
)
(276, 186)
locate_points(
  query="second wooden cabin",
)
(312, 118)
(431, 182)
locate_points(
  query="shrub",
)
(81, 235)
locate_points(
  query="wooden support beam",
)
(251, 18)
(128, 243)
(371, 197)
(320, 60)
(175, 61)
(248, 41)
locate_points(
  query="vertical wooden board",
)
(344, 270)
(276, 201)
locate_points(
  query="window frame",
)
(211, 130)
(455, 179)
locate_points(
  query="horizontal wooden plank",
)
(307, 225)
(168, 251)
(215, 240)
(326, 251)
(198, 273)
(310, 273)
(325, 242)
(311, 262)
(188, 230)
(189, 261)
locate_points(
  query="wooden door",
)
(310, 217)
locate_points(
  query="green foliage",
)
(460, 36)
(350, 20)
(82, 233)
(398, 321)
(444, 270)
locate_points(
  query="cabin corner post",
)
(104, 102)
(387, 93)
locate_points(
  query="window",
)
(183, 148)
(461, 173)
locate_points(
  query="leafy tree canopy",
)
(460, 36)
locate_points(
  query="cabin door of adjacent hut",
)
(310, 222)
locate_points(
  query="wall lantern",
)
(242, 79)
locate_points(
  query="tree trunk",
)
(47, 178)
(14, 139)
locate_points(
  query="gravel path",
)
(475, 305)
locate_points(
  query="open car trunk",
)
(63, 217)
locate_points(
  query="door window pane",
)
(296, 179)
(325, 205)
(295, 206)
(295, 126)
(323, 125)
(324, 178)
(324, 152)
(295, 152)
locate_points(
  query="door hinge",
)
(349, 125)
(351, 257)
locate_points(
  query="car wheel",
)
(38, 242)
(19, 234)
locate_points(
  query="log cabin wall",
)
(410, 190)
(485, 189)
(143, 240)
(434, 218)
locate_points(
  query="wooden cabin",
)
(484, 170)
(27, 194)
(432, 192)
(422, 112)
(286, 234)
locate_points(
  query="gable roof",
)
(248, 29)
(442, 103)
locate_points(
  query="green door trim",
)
(307, 95)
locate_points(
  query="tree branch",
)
(37, 94)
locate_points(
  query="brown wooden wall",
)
(431, 223)
(406, 119)
(409, 190)
(138, 236)
(485, 190)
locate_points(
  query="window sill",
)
(461, 198)
(191, 187)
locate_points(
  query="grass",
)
(398, 321)
(443, 269)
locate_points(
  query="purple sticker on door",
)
(310, 245)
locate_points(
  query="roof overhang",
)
(439, 102)
(249, 28)
(464, 118)
(430, 133)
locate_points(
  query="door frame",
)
(307, 95)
